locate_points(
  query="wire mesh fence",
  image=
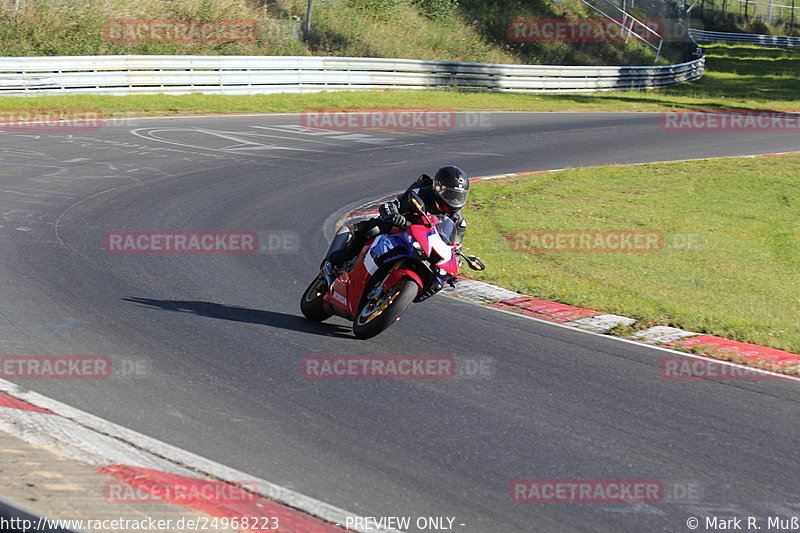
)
(674, 15)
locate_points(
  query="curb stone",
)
(489, 295)
(89, 456)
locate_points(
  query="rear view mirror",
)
(417, 202)
(473, 262)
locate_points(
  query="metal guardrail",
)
(280, 74)
(782, 41)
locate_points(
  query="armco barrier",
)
(280, 74)
(781, 41)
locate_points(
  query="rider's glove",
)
(388, 209)
(397, 221)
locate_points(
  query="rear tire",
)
(311, 302)
(371, 320)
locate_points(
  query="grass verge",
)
(729, 263)
(464, 30)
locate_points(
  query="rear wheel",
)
(311, 302)
(378, 314)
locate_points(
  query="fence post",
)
(308, 19)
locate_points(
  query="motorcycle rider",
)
(443, 194)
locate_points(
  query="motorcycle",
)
(392, 271)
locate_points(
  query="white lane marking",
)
(85, 427)
(637, 343)
(46, 192)
(525, 174)
(493, 289)
(79, 442)
(33, 194)
(335, 135)
(17, 214)
(483, 154)
(483, 293)
(710, 158)
(237, 138)
(634, 508)
(248, 141)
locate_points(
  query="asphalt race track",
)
(208, 347)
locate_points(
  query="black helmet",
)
(451, 185)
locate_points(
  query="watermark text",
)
(586, 241)
(181, 31)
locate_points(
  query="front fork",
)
(327, 271)
(375, 293)
(398, 272)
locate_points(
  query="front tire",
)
(377, 315)
(311, 302)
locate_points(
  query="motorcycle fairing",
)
(345, 294)
(432, 243)
(347, 291)
(385, 249)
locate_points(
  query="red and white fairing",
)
(432, 243)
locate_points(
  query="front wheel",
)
(377, 315)
(311, 303)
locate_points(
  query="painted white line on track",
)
(95, 441)
(671, 351)
(481, 293)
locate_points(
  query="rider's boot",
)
(345, 247)
(339, 249)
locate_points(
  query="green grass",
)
(731, 261)
(711, 16)
(751, 76)
(468, 30)
(738, 78)
(58, 27)
(474, 31)
(348, 29)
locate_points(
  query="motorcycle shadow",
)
(246, 315)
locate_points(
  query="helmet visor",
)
(455, 198)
